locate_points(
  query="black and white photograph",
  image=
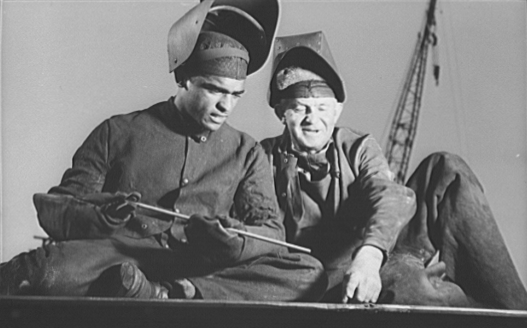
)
(288, 162)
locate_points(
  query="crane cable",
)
(456, 90)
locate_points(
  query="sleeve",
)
(65, 217)
(63, 213)
(90, 165)
(257, 207)
(390, 205)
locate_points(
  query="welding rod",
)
(240, 232)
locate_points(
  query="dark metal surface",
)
(108, 312)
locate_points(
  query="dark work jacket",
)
(163, 156)
(369, 207)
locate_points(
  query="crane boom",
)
(404, 124)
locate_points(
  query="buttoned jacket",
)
(161, 154)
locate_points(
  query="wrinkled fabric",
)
(64, 217)
(214, 244)
(88, 267)
(173, 164)
(406, 280)
(272, 278)
(158, 154)
(450, 216)
(453, 218)
(369, 207)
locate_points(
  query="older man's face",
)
(310, 121)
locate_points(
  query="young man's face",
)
(310, 121)
(210, 99)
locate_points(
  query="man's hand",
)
(211, 238)
(362, 281)
(118, 207)
(205, 230)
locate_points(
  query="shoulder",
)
(349, 136)
(120, 127)
(228, 132)
(352, 141)
(270, 145)
(139, 117)
(231, 139)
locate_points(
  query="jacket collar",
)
(285, 149)
(288, 182)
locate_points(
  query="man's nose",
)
(311, 115)
(226, 103)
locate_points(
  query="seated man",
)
(182, 156)
(339, 198)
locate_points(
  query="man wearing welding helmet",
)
(181, 156)
(431, 242)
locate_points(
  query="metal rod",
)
(162, 210)
(240, 232)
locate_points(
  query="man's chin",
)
(213, 126)
(311, 146)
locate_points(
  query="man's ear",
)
(338, 111)
(279, 111)
(182, 83)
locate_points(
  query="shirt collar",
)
(316, 165)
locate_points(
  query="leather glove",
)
(228, 222)
(65, 217)
(211, 240)
(116, 207)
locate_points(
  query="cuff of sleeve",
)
(369, 243)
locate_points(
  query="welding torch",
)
(240, 232)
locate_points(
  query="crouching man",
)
(431, 242)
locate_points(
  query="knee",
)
(313, 268)
(448, 161)
(42, 275)
(26, 274)
(452, 165)
(43, 272)
(314, 280)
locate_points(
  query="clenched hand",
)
(212, 240)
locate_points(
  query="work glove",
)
(92, 216)
(117, 207)
(212, 241)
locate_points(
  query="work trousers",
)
(88, 268)
(453, 220)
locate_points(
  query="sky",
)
(68, 65)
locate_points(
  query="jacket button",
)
(183, 240)
(203, 138)
(286, 160)
(184, 182)
(284, 194)
(144, 226)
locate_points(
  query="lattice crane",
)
(404, 124)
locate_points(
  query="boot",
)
(406, 281)
(134, 284)
(15, 277)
